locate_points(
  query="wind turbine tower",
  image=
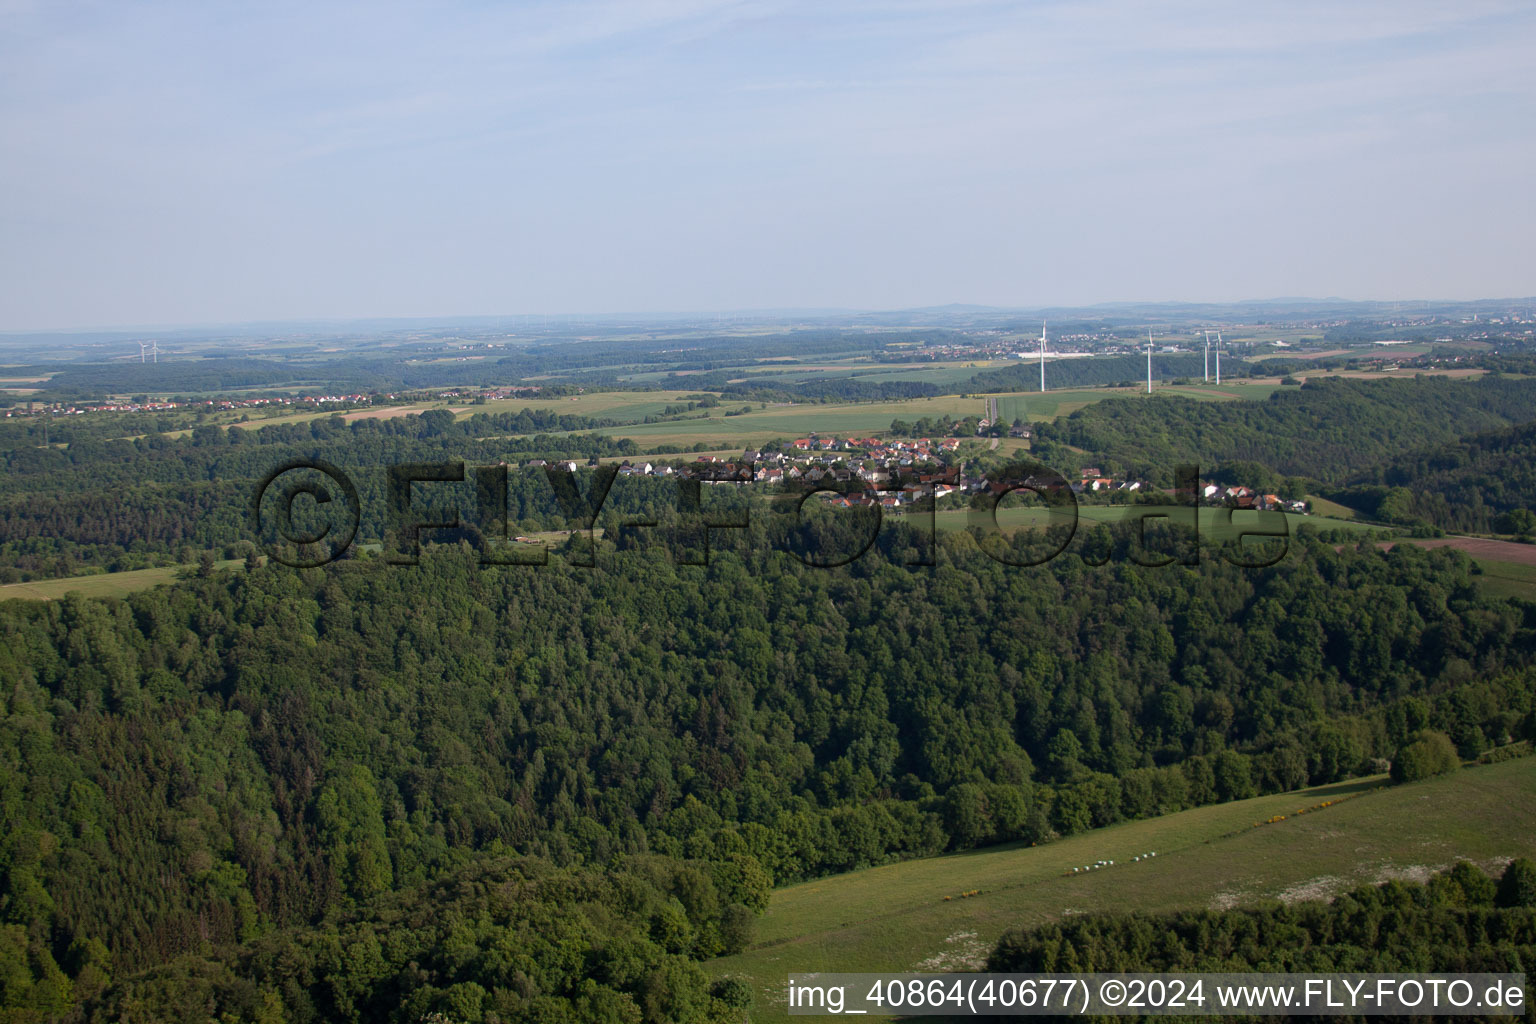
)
(1149, 360)
(154, 352)
(1207, 357)
(1218, 357)
(1042, 356)
(143, 347)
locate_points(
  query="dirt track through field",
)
(390, 412)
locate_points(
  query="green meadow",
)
(1215, 523)
(1506, 579)
(789, 371)
(1034, 406)
(912, 916)
(105, 584)
(1324, 507)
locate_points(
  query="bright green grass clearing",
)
(106, 584)
(1506, 579)
(896, 918)
(1332, 509)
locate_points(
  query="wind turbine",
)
(1042, 356)
(143, 346)
(1207, 357)
(1218, 357)
(1149, 360)
(154, 351)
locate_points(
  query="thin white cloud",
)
(604, 154)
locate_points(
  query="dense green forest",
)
(275, 755)
(122, 503)
(493, 937)
(1329, 430)
(1476, 484)
(728, 595)
(383, 792)
(119, 503)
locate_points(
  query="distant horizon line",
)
(762, 313)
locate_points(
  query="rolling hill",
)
(914, 917)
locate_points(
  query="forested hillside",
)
(194, 768)
(117, 503)
(1473, 484)
(491, 937)
(1329, 430)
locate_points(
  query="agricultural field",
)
(1506, 579)
(757, 426)
(763, 424)
(1399, 372)
(791, 421)
(789, 371)
(255, 419)
(1507, 568)
(1507, 552)
(20, 387)
(380, 412)
(912, 916)
(635, 405)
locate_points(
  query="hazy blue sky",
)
(170, 163)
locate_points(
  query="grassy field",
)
(1506, 579)
(910, 917)
(1032, 407)
(257, 420)
(792, 421)
(731, 433)
(1332, 509)
(1212, 520)
(943, 374)
(616, 404)
(106, 584)
(785, 421)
